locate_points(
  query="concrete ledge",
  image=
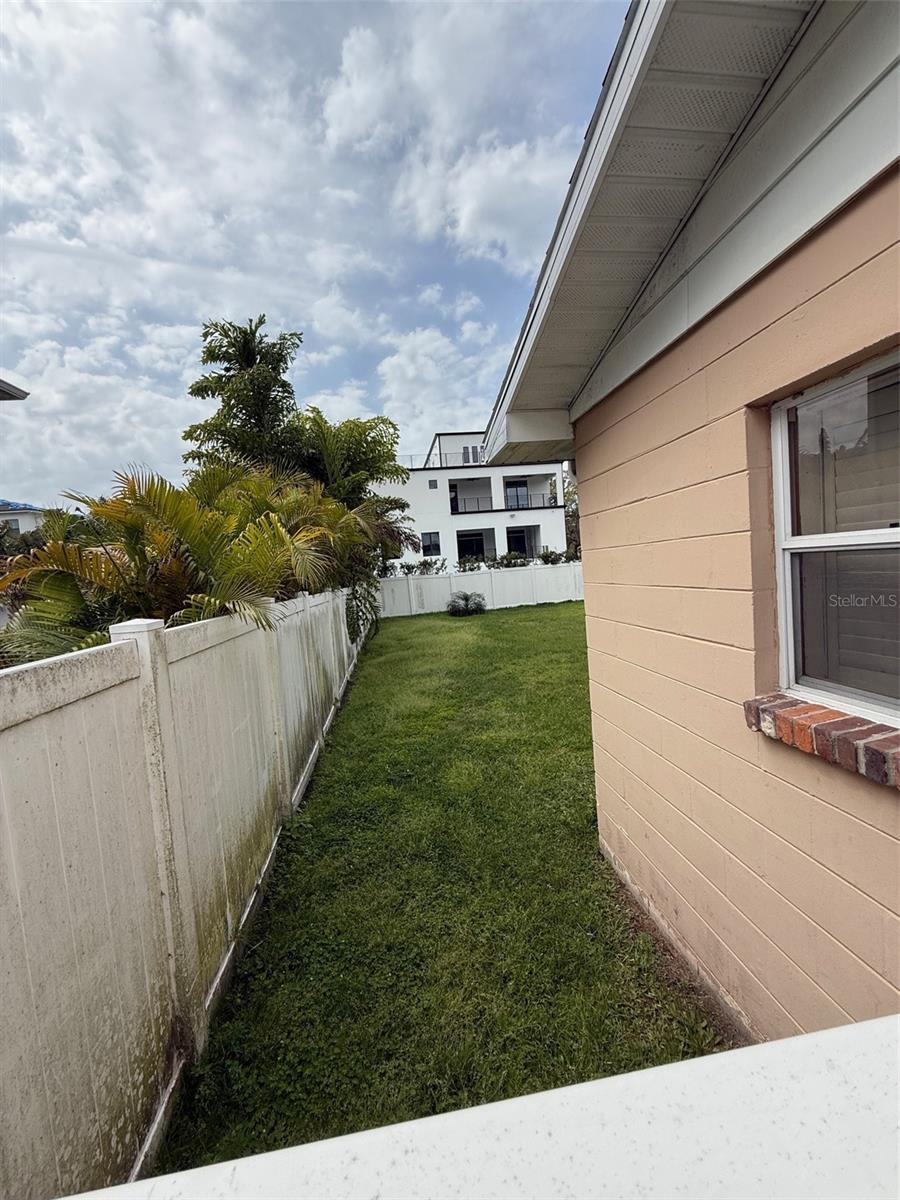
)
(811, 1116)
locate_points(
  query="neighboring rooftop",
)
(11, 391)
(18, 506)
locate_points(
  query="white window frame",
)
(846, 699)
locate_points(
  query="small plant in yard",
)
(466, 604)
(469, 563)
(550, 558)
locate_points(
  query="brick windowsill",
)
(854, 743)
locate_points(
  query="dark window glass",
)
(516, 493)
(465, 454)
(470, 545)
(846, 626)
(432, 483)
(845, 458)
(431, 545)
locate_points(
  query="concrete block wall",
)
(774, 870)
(142, 787)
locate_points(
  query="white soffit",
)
(684, 78)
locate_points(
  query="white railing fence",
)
(508, 587)
(142, 787)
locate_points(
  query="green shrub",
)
(469, 563)
(512, 558)
(466, 604)
(425, 566)
(550, 558)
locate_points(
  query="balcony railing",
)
(454, 459)
(543, 500)
(466, 504)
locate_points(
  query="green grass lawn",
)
(440, 929)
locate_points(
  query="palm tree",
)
(231, 539)
(254, 393)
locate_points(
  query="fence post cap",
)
(127, 629)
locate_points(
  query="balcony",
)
(454, 458)
(539, 500)
(467, 504)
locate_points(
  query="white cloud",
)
(342, 195)
(476, 332)
(336, 321)
(335, 260)
(429, 383)
(341, 403)
(465, 303)
(431, 294)
(495, 201)
(165, 164)
(363, 105)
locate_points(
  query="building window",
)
(476, 454)
(516, 493)
(465, 454)
(12, 522)
(431, 545)
(432, 484)
(836, 454)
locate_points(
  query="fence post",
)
(172, 855)
(284, 783)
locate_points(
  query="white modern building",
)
(462, 508)
(20, 517)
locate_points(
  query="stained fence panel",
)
(86, 1003)
(142, 785)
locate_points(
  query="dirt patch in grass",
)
(440, 929)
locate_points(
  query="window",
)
(431, 545)
(836, 454)
(465, 454)
(516, 493)
(476, 454)
(470, 545)
(432, 484)
(12, 522)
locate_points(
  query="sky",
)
(384, 177)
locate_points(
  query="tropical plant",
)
(466, 604)
(573, 527)
(228, 542)
(470, 562)
(346, 457)
(551, 557)
(13, 541)
(254, 395)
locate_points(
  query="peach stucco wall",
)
(776, 873)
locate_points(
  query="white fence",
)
(508, 587)
(142, 787)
